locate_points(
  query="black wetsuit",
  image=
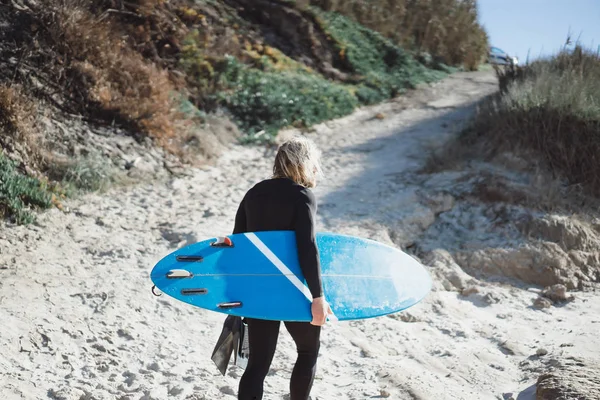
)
(281, 204)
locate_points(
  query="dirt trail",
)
(79, 321)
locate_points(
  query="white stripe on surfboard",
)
(279, 264)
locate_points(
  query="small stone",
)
(557, 293)
(491, 298)
(384, 393)
(541, 352)
(406, 316)
(508, 396)
(542, 302)
(380, 115)
(469, 290)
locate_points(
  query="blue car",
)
(500, 57)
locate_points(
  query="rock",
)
(571, 379)
(508, 396)
(557, 293)
(491, 298)
(543, 264)
(541, 352)
(541, 303)
(406, 316)
(469, 290)
(142, 167)
(446, 274)
(568, 232)
(513, 348)
(562, 250)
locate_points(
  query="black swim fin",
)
(242, 346)
(228, 342)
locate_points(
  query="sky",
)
(539, 26)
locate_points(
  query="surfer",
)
(285, 202)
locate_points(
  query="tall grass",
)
(447, 29)
(551, 107)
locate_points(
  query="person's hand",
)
(320, 310)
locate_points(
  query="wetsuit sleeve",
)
(240, 218)
(308, 253)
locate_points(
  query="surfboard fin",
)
(223, 241)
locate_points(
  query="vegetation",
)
(385, 69)
(446, 29)
(158, 69)
(20, 193)
(550, 108)
(269, 101)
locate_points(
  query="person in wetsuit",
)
(286, 202)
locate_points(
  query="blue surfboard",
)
(257, 275)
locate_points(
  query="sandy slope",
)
(79, 321)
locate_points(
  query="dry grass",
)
(74, 54)
(547, 115)
(17, 126)
(112, 81)
(553, 109)
(445, 28)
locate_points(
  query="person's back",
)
(285, 202)
(271, 204)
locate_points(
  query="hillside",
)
(94, 93)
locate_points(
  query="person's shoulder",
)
(306, 195)
(261, 185)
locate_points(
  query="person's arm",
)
(240, 218)
(308, 253)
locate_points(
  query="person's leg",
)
(262, 340)
(307, 338)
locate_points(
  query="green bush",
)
(268, 101)
(386, 69)
(19, 193)
(447, 29)
(273, 91)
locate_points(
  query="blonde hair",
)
(298, 159)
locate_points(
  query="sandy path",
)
(79, 321)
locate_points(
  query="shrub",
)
(20, 193)
(447, 29)
(17, 125)
(553, 109)
(386, 69)
(86, 67)
(269, 101)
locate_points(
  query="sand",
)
(79, 320)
